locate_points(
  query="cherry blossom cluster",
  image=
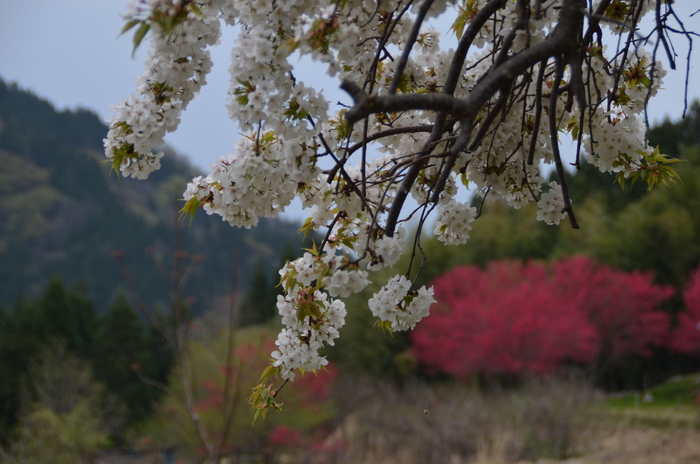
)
(299, 345)
(310, 316)
(387, 251)
(350, 176)
(550, 208)
(615, 135)
(252, 182)
(399, 306)
(175, 70)
(454, 223)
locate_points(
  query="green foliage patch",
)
(677, 392)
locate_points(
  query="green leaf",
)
(263, 397)
(313, 250)
(384, 327)
(349, 242)
(194, 8)
(652, 169)
(119, 154)
(129, 25)
(268, 137)
(403, 86)
(460, 23)
(190, 208)
(140, 34)
(267, 372)
(167, 23)
(291, 45)
(464, 180)
(466, 13)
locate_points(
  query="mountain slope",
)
(62, 212)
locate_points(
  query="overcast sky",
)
(70, 52)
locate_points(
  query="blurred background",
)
(128, 335)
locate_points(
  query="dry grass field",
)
(547, 423)
(633, 444)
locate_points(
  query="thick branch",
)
(538, 112)
(412, 174)
(564, 38)
(370, 104)
(448, 89)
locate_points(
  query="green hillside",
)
(63, 213)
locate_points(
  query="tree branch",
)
(555, 143)
(564, 38)
(366, 104)
(403, 59)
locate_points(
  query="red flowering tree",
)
(506, 319)
(623, 307)
(513, 318)
(686, 336)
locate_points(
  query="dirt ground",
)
(637, 444)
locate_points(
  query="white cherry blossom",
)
(352, 177)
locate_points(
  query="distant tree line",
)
(118, 347)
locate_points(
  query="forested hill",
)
(63, 213)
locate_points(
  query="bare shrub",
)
(548, 416)
(419, 423)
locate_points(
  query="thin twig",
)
(412, 37)
(559, 62)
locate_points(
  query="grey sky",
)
(70, 52)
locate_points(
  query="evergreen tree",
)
(69, 315)
(162, 354)
(258, 305)
(673, 136)
(7, 372)
(117, 343)
(122, 347)
(24, 331)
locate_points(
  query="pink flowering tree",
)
(623, 307)
(686, 335)
(505, 320)
(513, 319)
(478, 106)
